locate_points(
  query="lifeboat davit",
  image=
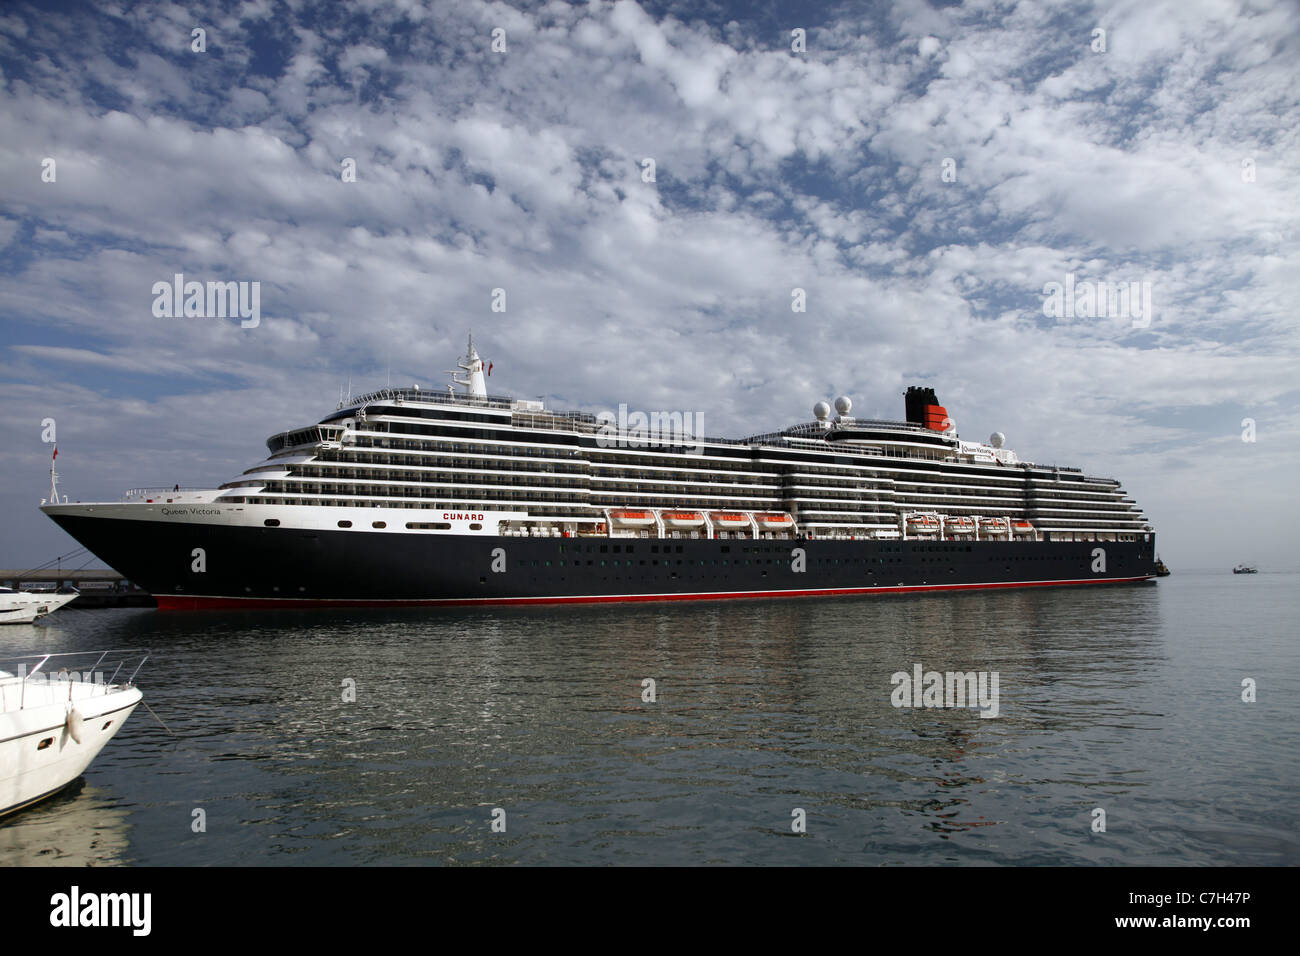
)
(632, 519)
(683, 519)
(960, 525)
(728, 520)
(775, 522)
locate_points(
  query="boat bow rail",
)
(38, 680)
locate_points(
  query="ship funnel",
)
(923, 408)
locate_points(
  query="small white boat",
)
(23, 607)
(55, 720)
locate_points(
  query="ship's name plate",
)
(203, 512)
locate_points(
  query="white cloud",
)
(523, 171)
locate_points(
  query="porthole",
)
(45, 743)
(345, 524)
(272, 522)
(379, 524)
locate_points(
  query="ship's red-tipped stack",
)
(923, 408)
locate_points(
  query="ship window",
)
(45, 743)
(271, 523)
(379, 524)
(476, 527)
(345, 524)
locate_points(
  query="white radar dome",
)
(821, 410)
(997, 439)
(843, 404)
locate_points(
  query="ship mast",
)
(54, 480)
(475, 384)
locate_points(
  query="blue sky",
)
(1169, 157)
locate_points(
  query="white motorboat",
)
(55, 720)
(23, 607)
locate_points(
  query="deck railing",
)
(75, 668)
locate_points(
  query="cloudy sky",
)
(923, 172)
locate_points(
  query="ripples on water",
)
(1124, 698)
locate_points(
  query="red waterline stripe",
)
(200, 602)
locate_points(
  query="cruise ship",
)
(446, 497)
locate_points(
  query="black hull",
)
(252, 567)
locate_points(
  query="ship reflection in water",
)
(1109, 699)
(83, 825)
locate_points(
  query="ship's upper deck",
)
(467, 450)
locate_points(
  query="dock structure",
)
(99, 587)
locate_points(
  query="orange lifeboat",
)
(960, 525)
(729, 521)
(683, 519)
(632, 519)
(781, 522)
(923, 523)
(1022, 527)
